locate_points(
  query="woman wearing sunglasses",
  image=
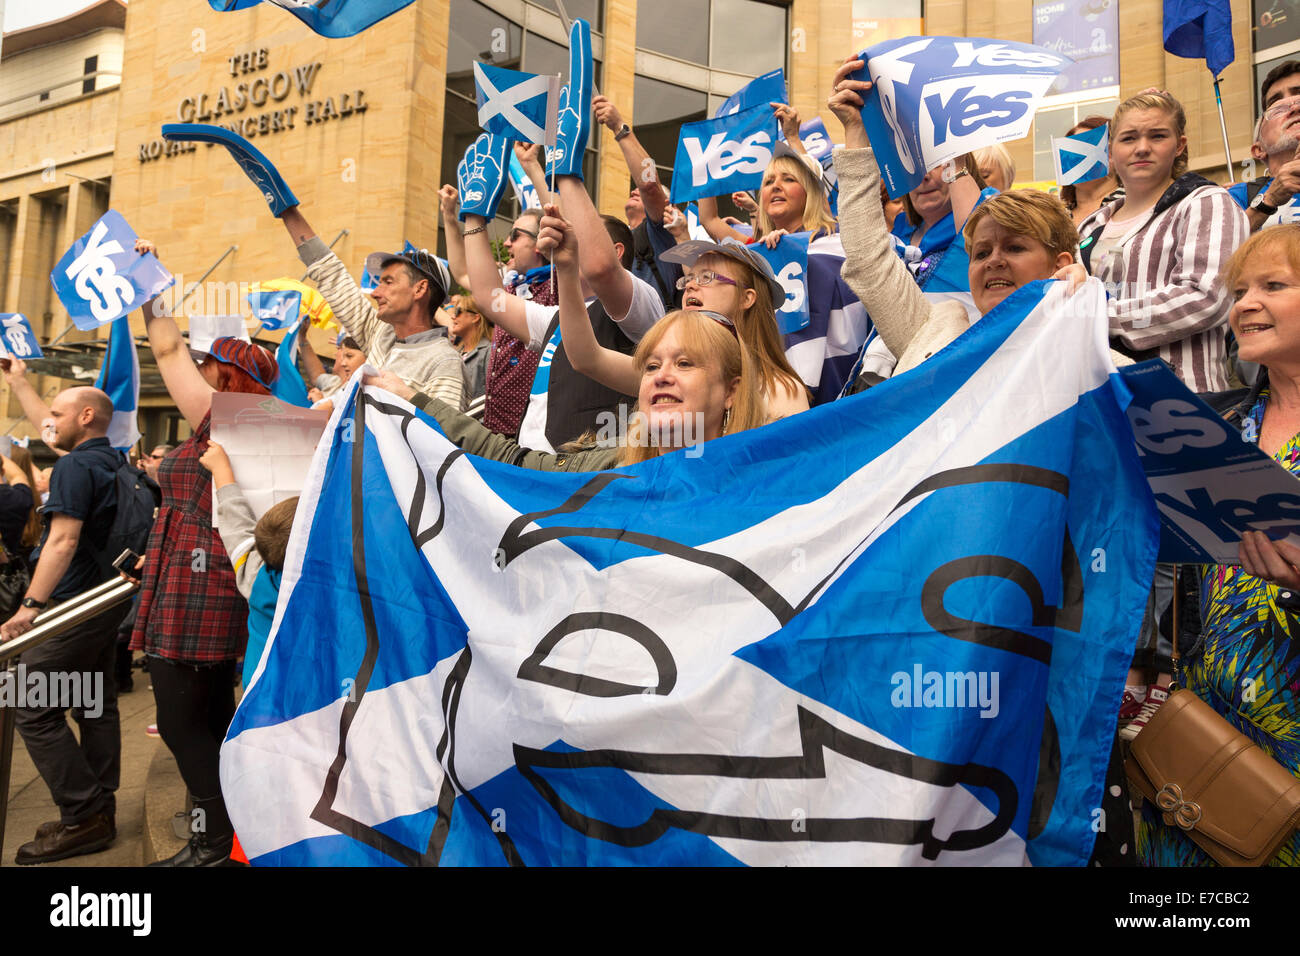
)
(471, 336)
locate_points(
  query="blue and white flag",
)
(525, 191)
(1082, 157)
(1200, 30)
(627, 667)
(17, 338)
(817, 141)
(102, 277)
(276, 310)
(761, 91)
(789, 261)
(519, 106)
(937, 98)
(824, 352)
(721, 156)
(288, 385)
(119, 378)
(481, 176)
(370, 281)
(331, 18)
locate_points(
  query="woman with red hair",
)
(192, 621)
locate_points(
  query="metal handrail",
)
(48, 624)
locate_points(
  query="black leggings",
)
(195, 706)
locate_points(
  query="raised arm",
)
(713, 224)
(871, 267)
(608, 367)
(597, 255)
(185, 384)
(34, 407)
(449, 203)
(530, 159)
(639, 162)
(503, 308)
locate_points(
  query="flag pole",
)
(1223, 126)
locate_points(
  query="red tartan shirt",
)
(190, 609)
(511, 367)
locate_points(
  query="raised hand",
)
(481, 176)
(846, 102)
(788, 117)
(676, 224)
(745, 201)
(556, 239)
(529, 154)
(607, 114)
(449, 201)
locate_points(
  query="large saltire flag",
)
(714, 657)
(329, 18)
(119, 377)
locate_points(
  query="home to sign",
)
(267, 89)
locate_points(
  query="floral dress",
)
(1247, 669)
(190, 610)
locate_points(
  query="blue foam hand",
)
(257, 167)
(481, 176)
(574, 127)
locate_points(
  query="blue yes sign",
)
(725, 155)
(16, 337)
(937, 98)
(102, 277)
(789, 262)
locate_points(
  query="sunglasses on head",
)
(721, 320)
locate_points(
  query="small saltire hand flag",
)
(1083, 157)
(17, 338)
(288, 386)
(1200, 29)
(276, 309)
(934, 682)
(102, 277)
(760, 91)
(720, 156)
(329, 18)
(119, 378)
(519, 106)
(936, 98)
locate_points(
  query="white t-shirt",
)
(646, 309)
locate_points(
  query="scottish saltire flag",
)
(937, 98)
(1082, 157)
(824, 351)
(102, 277)
(789, 262)
(276, 309)
(720, 156)
(329, 18)
(119, 377)
(761, 91)
(518, 106)
(288, 385)
(1200, 30)
(17, 338)
(715, 658)
(525, 191)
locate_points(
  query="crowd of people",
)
(593, 313)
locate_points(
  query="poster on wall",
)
(877, 20)
(1087, 31)
(1276, 22)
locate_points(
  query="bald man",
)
(78, 664)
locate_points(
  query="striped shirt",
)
(425, 361)
(1166, 299)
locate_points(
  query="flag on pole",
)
(276, 308)
(944, 657)
(119, 378)
(1083, 157)
(288, 385)
(518, 106)
(329, 18)
(1200, 29)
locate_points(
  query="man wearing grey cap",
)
(396, 330)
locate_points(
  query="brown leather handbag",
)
(1232, 799)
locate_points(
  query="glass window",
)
(593, 11)
(661, 109)
(875, 21)
(1275, 22)
(678, 28)
(478, 33)
(1087, 31)
(748, 37)
(1057, 122)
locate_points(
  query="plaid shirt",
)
(190, 609)
(510, 371)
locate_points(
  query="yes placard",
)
(725, 155)
(102, 277)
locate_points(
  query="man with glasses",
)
(151, 461)
(1272, 199)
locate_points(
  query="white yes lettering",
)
(93, 267)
